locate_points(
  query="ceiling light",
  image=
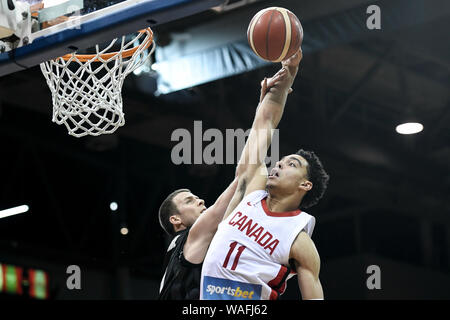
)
(409, 128)
(12, 211)
(113, 206)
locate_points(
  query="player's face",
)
(288, 174)
(189, 206)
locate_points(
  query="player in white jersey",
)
(185, 217)
(265, 238)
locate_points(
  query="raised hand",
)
(284, 78)
(268, 83)
(292, 63)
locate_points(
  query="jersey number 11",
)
(236, 258)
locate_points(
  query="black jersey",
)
(181, 280)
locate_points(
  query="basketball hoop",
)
(87, 88)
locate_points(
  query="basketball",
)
(275, 34)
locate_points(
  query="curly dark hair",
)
(317, 175)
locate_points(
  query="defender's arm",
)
(204, 228)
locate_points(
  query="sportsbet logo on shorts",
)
(223, 289)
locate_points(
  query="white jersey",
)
(248, 257)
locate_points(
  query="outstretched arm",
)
(204, 228)
(273, 98)
(251, 169)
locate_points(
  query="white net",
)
(87, 89)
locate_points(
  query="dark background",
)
(387, 202)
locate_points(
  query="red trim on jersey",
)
(31, 277)
(278, 284)
(19, 273)
(279, 214)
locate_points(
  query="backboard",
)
(85, 23)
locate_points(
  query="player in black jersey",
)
(185, 217)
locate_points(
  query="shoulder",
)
(182, 233)
(253, 197)
(310, 223)
(256, 195)
(179, 239)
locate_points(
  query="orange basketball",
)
(275, 34)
